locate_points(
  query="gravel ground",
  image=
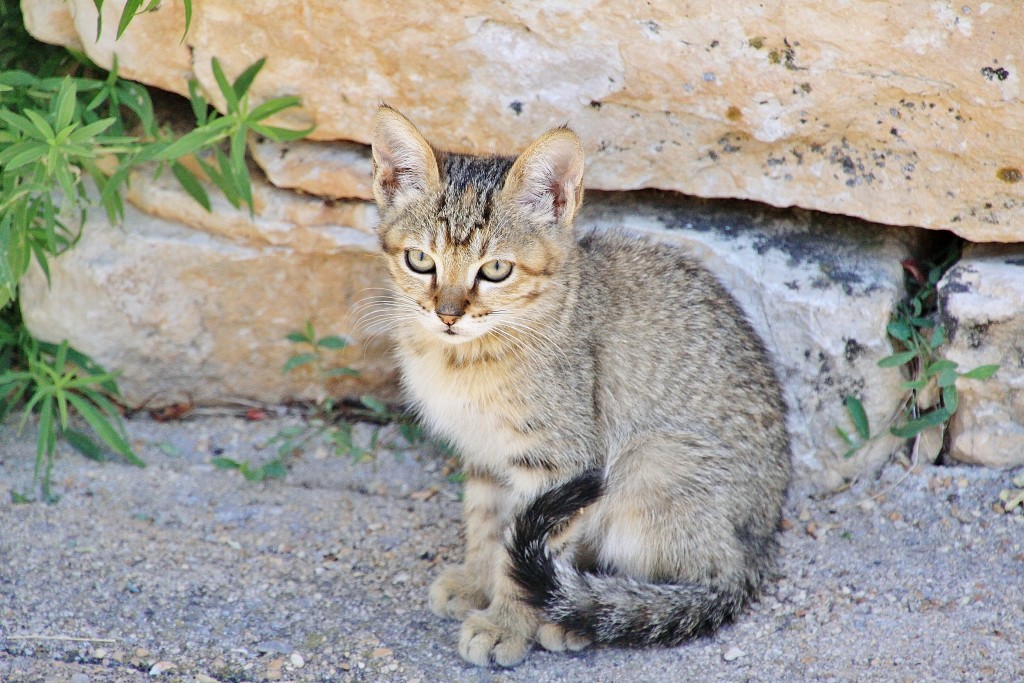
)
(183, 572)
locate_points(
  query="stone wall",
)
(900, 113)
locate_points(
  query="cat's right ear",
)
(404, 165)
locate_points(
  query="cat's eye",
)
(419, 261)
(496, 270)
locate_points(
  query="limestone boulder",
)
(196, 306)
(982, 306)
(902, 113)
(818, 289)
(199, 311)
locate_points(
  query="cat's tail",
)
(602, 607)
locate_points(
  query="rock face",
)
(901, 113)
(982, 304)
(201, 313)
(195, 306)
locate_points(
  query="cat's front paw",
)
(454, 594)
(485, 642)
(556, 638)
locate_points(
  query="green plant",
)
(334, 420)
(63, 121)
(274, 469)
(133, 8)
(55, 381)
(930, 383)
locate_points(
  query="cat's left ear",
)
(547, 179)
(404, 165)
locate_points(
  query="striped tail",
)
(606, 608)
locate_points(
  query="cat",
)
(621, 429)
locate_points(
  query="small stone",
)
(162, 668)
(400, 577)
(203, 678)
(99, 653)
(80, 678)
(296, 660)
(272, 647)
(805, 515)
(381, 652)
(733, 653)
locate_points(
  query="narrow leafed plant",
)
(333, 420)
(63, 122)
(930, 380)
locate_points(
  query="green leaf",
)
(938, 337)
(298, 338)
(19, 123)
(230, 97)
(87, 132)
(131, 7)
(64, 104)
(84, 445)
(950, 399)
(899, 329)
(238, 167)
(225, 463)
(191, 185)
(939, 366)
(188, 18)
(373, 404)
(897, 359)
(914, 385)
(947, 378)
(858, 417)
(298, 360)
(252, 473)
(271, 107)
(191, 142)
(839, 430)
(103, 428)
(915, 427)
(981, 372)
(24, 153)
(280, 134)
(275, 469)
(40, 123)
(199, 104)
(332, 342)
(244, 81)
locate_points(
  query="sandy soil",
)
(184, 572)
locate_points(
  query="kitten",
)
(621, 428)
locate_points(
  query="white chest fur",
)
(475, 405)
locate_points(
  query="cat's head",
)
(475, 245)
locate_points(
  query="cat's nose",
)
(448, 320)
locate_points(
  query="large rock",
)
(896, 112)
(982, 304)
(201, 313)
(818, 289)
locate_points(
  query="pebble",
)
(733, 653)
(80, 678)
(162, 668)
(296, 660)
(203, 678)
